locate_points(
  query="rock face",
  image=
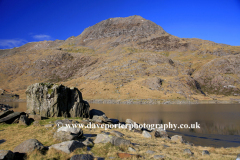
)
(220, 76)
(52, 100)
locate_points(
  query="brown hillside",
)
(126, 58)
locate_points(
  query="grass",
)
(45, 136)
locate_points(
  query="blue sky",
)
(23, 21)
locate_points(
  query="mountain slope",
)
(126, 58)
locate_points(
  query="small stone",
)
(188, 151)
(111, 157)
(150, 152)
(130, 149)
(177, 138)
(205, 152)
(23, 120)
(146, 134)
(48, 125)
(158, 157)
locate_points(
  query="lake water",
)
(219, 123)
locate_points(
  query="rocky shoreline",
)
(148, 101)
(158, 101)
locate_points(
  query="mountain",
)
(127, 58)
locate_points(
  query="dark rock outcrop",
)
(53, 100)
(11, 118)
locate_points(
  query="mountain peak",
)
(132, 27)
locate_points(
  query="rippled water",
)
(219, 123)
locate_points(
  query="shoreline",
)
(146, 101)
(158, 101)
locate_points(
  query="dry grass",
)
(14, 135)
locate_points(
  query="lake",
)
(219, 123)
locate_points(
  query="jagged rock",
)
(159, 132)
(82, 157)
(23, 120)
(68, 146)
(77, 131)
(188, 151)
(104, 138)
(177, 138)
(6, 155)
(117, 133)
(68, 133)
(100, 119)
(65, 136)
(11, 117)
(29, 146)
(205, 152)
(5, 113)
(52, 100)
(146, 134)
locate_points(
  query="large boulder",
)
(68, 133)
(53, 100)
(29, 146)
